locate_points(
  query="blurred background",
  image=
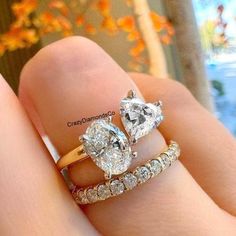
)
(192, 41)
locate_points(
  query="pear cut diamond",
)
(138, 117)
(108, 147)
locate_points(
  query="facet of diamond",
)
(117, 187)
(130, 181)
(138, 117)
(154, 167)
(108, 147)
(143, 174)
(103, 191)
(92, 195)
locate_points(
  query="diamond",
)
(92, 195)
(138, 117)
(103, 192)
(130, 181)
(165, 161)
(143, 174)
(108, 147)
(117, 187)
(172, 154)
(80, 196)
(155, 167)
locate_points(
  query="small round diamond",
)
(143, 174)
(171, 153)
(130, 181)
(80, 196)
(117, 187)
(165, 160)
(155, 167)
(104, 191)
(92, 195)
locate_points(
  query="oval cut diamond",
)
(108, 147)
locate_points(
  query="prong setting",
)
(109, 119)
(132, 140)
(131, 94)
(107, 176)
(134, 155)
(82, 138)
(158, 103)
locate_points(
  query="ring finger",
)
(74, 78)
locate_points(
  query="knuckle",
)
(176, 93)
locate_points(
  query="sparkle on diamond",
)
(139, 118)
(108, 147)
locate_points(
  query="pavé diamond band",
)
(128, 180)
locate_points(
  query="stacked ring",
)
(128, 180)
(111, 151)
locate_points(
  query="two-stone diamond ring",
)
(107, 145)
(110, 150)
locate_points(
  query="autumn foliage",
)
(31, 24)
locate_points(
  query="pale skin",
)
(74, 78)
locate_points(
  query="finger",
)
(86, 82)
(33, 197)
(208, 148)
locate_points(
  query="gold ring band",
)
(75, 155)
(129, 180)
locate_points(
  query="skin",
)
(74, 78)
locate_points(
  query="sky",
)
(206, 10)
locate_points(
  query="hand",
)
(74, 78)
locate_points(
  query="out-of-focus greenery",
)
(219, 87)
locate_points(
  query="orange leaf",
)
(79, 20)
(24, 8)
(109, 24)
(133, 35)
(166, 39)
(65, 23)
(126, 23)
(104, 7)
(90, 29)
(158, 21)
(59, 5)
(137, 49)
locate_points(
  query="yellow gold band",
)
(75, 155)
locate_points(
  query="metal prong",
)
(158, 122)
(108, 119)
(122, 111)
(161, 118)
(81, 138)
(107, 176)
(132, 140)
(131, 94)
(158, 103)
(134, 155)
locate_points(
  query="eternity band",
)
(129, 180)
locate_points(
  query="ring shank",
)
(75, 155)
